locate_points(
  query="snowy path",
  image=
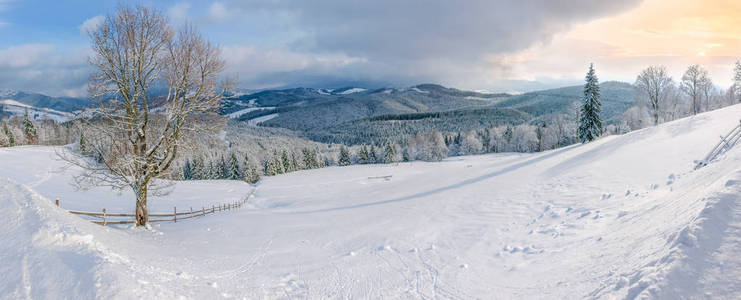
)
(623, 217)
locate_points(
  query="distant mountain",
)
(616, 98)
(14, 108)
(63, 104)
(353, 115)
(308, 108)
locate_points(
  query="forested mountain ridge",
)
(64, 104)
(356, 116)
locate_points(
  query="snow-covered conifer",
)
(590, 123)
(286, 161)
(372, 156)
(235, 172)
(389, 154)
(187, 170)
(29, 129)
(363, 155)
(344, 156)
(8, 134)
(251, 174)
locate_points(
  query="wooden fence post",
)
(175, 214)
(213, 208)
(104, 218)
(191, 210)
(57, 201)
(203, 211)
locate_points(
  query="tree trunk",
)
(142, 215)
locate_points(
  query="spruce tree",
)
(223, 169)
(251, 174)
(344, 156)
(9, 134)
(198, 168)
(363, 155)
(286, 160)
(29, 129)
(389, 154)
(213, 171)
(372, 156)
(187, 171)
(405, 155)
(590, 123)
(235, 172)
(294, 163)
(83, 144)
(277, 164)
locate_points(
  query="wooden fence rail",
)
(162, 217)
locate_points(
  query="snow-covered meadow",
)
(622, 217)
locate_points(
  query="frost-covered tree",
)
(286, 161)
(344, 156)
(9, 134)
(737, 81)
(654, 83)
(235, 172)
(590, 122)
(636, 117)
(311, 160)
(250, 174)
(82, 144)
(187, 170)
(134, 50)
(694, 81)
(372, 155)
(469, 143)
(223, 168)
(405, 155)
(389, 154)
(363, 155)
(198, 168)
(29, 129)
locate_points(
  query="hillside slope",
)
(357, 116)
(622, 217)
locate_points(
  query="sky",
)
(494, 45)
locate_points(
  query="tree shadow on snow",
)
(463, 183)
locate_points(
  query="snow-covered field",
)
(622, 217)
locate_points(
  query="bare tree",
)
(707, 88)
(736, 87)
(694, 82)
(133, 136)
(654, 82)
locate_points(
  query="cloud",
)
(436, 40)
(218, 12)
(44, 68)
(179, 12)
(4, 5)
(91, 24)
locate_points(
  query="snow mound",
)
(47, 252)
(43, 253)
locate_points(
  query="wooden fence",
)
(104, 217)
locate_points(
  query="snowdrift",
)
(623, 217)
